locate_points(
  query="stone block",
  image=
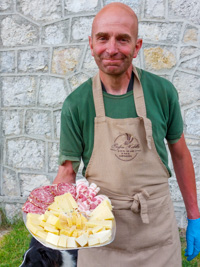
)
(10, 183)
(12, 122)
(89, 63)
(30, 181)
(38, 123)
(25, 153)
(190, 35)
(66, 60)
(33, 60)
(192, 121)
(185, 9)
(181, 215)
(134, 4)
(7, 61)
(77, 6)
(40, 10)
(81, 28)
(56, 33)
(16, 31)
(187, 86)
(52, 92)
(154, 9)
(188, 51)
(6, 6)
(18, 91)
(13, 211)
(158, 58)
(53, 156)
(168, 33)
(56, 119)
(77, 80)
(191, 64)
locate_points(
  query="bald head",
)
(120, 11)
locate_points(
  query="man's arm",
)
(185, 175)
(65, 174)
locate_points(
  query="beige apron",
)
(127, 168)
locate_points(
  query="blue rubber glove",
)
(193, 239)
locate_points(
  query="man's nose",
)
(112, 47)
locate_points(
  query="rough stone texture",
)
(18, 91)
(53, 149)
(13, 211)
(12, 122)
(80, 5)
(52, 92)
(188, 51)
(38, 123)
(185, 9)
(158, 58)
(33, 60)
(31, 181)
(45, 55)
(190, 35)
(65, 60)
(77, 80)
(192, 121)
(25, 153)
(188, 86)
(56, 116)
(7, 61)
(17, 31)
(191, 64)
(6, 5)
(154, 9)
(160, 32)
(80, 29)
(40, 10)
(56, 33)
(10, 183)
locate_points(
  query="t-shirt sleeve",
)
(70, 136)
(175, 121)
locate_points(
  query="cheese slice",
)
(82, 240)
(52, 239)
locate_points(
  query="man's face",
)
(113, 43)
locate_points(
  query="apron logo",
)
(126, 147)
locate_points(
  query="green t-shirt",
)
(78, 113)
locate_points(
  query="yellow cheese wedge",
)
(52, 219)
(103, 236)
(62, 242)
(33, 227)
(104, 223)
(92, 241)
(82, 240)
(71, 242)
(52, 239)
(42, 234)
(51, 229)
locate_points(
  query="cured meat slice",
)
(38, 203)
(63, 188)
(30, 207)
(51, 188)
(42, 195)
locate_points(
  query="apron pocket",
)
(133, 234)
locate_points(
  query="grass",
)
(16, 242)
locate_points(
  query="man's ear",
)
(91, 45)
(137, 47)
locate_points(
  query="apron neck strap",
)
(98, 96)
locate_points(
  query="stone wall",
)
(45, 55)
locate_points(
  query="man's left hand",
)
(193, 239)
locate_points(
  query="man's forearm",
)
(185, 175)
(65, 173)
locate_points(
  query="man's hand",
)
(193, 239)
(65, 173)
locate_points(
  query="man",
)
(117, 123)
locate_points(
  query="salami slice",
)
(51, 188)
(63, 188)
(30, 207)
(38, 203)
(43, 195)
